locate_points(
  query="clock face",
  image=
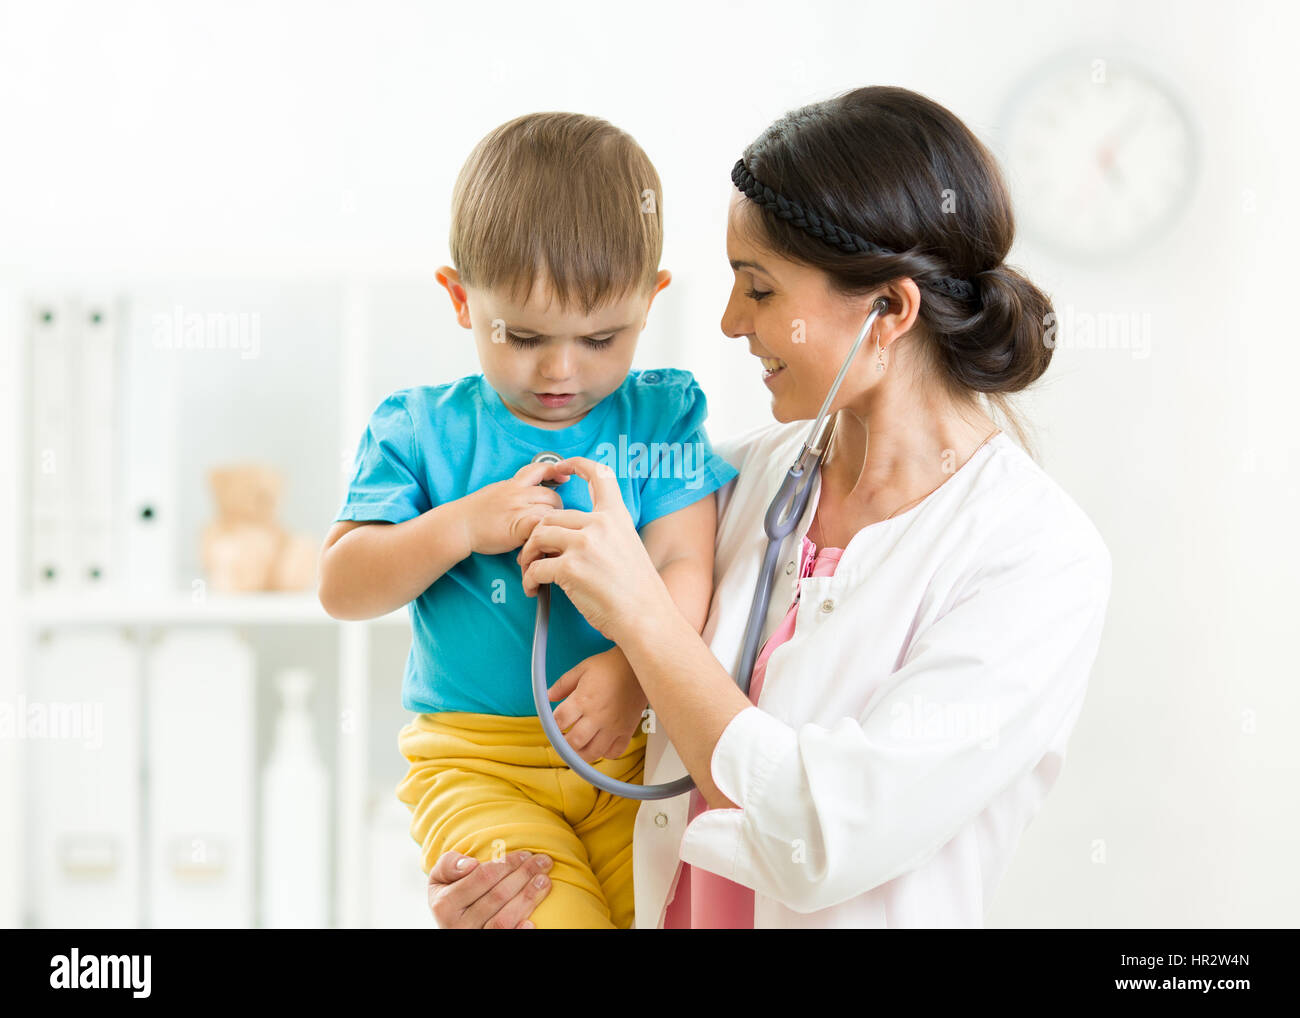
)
(1100, 157)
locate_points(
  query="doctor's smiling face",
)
(797, 326)
(550, 365)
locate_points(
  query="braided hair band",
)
(810, 222)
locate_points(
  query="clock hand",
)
(1106, 159)
(1109, 146)
(1125, 129)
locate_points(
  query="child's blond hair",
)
(564, 199)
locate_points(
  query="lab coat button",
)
(661, 819)
(828, 605)
(789, 568)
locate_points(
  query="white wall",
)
(150, 139)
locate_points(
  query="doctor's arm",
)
(608, 703)
(827, 814)
(689, 690)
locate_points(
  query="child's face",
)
(529, 351)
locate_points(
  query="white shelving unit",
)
(142, 618)
(331, 350)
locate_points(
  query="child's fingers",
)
(525, 523)
(598, 748)
(565, 685)
(536, 473)
(567, 714)
(609, 748)
(580, 736)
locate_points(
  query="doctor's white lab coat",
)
(911, 727)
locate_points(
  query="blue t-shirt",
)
(472, 629)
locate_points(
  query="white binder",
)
(200, 765)
(96, 367)
(80, 724)
(148, 475)
(52, 451)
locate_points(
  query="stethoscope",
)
(782, 517)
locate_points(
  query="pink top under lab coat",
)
(704, 900)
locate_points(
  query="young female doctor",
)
(935, 613)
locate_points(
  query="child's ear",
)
(665, 277)
(450, 279)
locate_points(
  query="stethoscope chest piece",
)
(549, 457)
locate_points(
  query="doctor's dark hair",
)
(888, 184)
(561, 198)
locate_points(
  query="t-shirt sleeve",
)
(385, 483)
(688, 466)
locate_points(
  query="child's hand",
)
(499, 517)
(604, 706)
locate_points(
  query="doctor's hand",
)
(495, 895)
(605, 705)
(596, 557)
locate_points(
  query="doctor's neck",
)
(900, 438)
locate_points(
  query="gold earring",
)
(880, 360)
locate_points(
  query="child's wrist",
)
(461, 520)
(639, 696)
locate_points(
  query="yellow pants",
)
(485, 785)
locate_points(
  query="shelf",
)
(339, 346)
(46, 609)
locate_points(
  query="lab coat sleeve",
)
(828, 814)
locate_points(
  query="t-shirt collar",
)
(560, 440)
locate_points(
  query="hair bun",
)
(986, 282)
(1000, 347)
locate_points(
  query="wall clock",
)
(1100, 155)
